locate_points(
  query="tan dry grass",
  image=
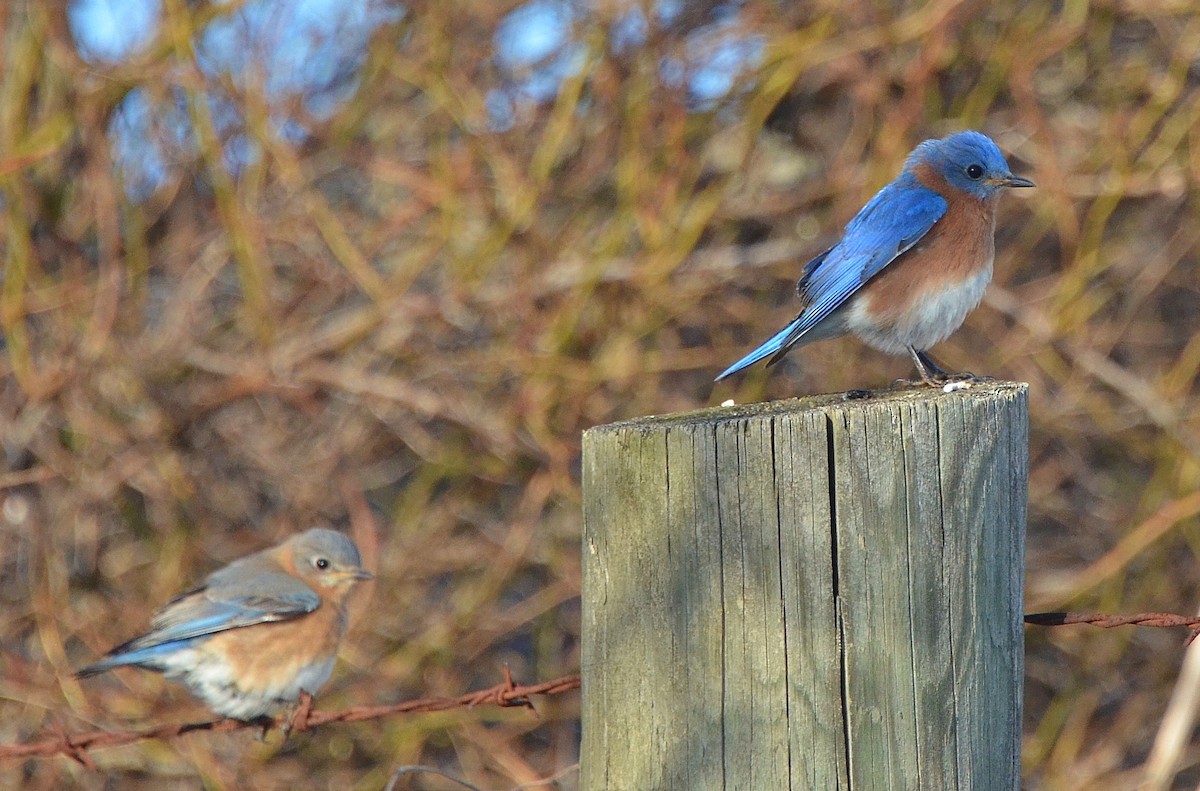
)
(414, 310)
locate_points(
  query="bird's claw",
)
(297, 717)
(946, 382)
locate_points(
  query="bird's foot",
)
(969, 378)
(946, 382)
(911, 384)
(933, 375)
(297, 717)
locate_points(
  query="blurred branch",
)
(433, 770)
(1129, 384)
(1175, 729)
(244, 240)
(1132, 544)
(417, 769)
(301, 718)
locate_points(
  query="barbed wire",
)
(302, 718)
(507, 693)
(1158, 619)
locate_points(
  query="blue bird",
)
(912, 263)
(258, 632)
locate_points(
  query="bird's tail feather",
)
(103, 666)
(119, 657)
(776, 345)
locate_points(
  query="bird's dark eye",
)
(974, 171)
(321, 563)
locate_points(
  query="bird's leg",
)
(265, 724)
(934, 375)
(930, 371)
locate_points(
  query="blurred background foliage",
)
(376, 265)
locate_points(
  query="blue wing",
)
(890, 224)
(225, 602)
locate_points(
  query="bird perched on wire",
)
(257, 632)
(912, 263)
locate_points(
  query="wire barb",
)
(301, 718)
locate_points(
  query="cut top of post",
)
(854, 400)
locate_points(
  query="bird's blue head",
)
(968, 161)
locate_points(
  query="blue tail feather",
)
(141, 657)
(773, 346)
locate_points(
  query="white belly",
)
(930, 321)
(214, 683)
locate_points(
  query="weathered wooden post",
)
(812, 594)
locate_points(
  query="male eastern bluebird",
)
(912, 263)
(257, 632)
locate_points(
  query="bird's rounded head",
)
(326, 560)
(967, 161)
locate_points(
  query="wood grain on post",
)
(821, 593)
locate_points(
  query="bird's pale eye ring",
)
(321, 564)
(974, 172)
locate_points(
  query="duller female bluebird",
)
(912, 263)
(257, 632)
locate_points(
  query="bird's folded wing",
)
(895, 220)
(230, 604)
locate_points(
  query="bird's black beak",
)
(1016, 181)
